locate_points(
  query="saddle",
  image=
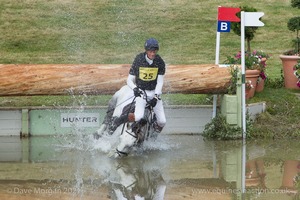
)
(126, 116)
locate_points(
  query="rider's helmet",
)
(151, 44)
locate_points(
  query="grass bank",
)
(281, 117)
(100, 31)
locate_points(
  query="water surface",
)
(172, 167)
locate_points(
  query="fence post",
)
(25, 123)
(239, 98)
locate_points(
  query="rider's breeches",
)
(158, 109)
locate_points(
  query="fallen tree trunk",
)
(65, 79)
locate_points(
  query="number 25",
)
(148, 76)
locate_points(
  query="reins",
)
(127, 112)
(111, 109)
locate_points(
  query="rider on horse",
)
(145, 78)
(147, 75)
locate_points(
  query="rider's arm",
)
(159, 85)
(131, 81)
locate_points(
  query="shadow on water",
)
(172, 167)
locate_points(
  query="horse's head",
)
(127, 139)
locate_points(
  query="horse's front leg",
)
(127, 140)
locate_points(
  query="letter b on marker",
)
(223, 26)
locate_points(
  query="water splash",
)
(161, 143)
(89, 155)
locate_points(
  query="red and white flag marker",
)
(226, 15)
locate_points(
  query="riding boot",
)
(134, 127)
(157, 128)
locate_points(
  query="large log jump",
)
(66, 79)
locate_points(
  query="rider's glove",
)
(137, 92)
(154, 101)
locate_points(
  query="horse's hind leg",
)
(117, 121)
(106, 122)
(100, 132)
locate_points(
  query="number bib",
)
(148, 73)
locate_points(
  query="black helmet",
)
(151, 44)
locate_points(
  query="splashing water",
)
(88, 155)
(161, 143)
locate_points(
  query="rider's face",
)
(151, 54)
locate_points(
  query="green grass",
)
(101, 31)
(72, 100)
(98, 100)
(281, 117)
